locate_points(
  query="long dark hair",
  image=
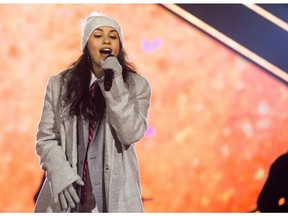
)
(76, 80)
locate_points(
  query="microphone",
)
(108, 72)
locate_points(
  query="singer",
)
(88, 127)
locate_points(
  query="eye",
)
(113, 37)
(97, 36)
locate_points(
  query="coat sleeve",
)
(48, 146)
(127, 107)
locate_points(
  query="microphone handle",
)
(108, 79)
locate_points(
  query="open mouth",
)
(105, 51)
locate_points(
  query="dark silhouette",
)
(274, 194)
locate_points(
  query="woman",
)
(85, 138)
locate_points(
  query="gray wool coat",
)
(125, 119)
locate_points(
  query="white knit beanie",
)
(94, 21)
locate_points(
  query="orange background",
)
(216, 121)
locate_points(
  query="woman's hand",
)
(69, 197)
(112, 62)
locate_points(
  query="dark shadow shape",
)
(275, 188)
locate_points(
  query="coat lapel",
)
(69, 136)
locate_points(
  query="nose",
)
(106, 40)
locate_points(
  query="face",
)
(102, 38)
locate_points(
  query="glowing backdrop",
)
(215, 125)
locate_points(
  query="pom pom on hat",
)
(94, 21)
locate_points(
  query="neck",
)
(97, 71)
